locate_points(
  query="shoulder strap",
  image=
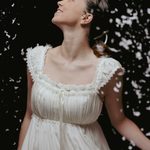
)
(34, 57)
(107, 69)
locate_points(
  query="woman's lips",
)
(59, 10)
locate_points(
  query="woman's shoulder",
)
(38, 48)
(108, 60)
(34, 58)
(109, 67)
(110, 64)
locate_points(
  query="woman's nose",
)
(59, 3)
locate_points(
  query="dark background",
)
(25, 24)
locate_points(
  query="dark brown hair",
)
(98, 9)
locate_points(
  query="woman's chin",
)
(56, 22)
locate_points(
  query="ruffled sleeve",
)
(108, 68)
(34, 58)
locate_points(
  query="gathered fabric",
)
(65, 115)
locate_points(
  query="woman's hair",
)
(93, 5)
(98, 8)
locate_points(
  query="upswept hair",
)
(97, 5)
(98, 8)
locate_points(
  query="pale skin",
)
(72, 56)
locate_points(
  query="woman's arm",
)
(113, 103)
(27, 117)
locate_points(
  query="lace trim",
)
(29, 63)
(69, 90)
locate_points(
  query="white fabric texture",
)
(65, 115)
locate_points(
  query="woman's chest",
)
(70, 73)
(78, 106)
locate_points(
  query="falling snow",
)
(136, 113)
(125, 43)
(148, 10)
(138, 55)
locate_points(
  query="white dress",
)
(65, 115)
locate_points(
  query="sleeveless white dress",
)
(65, 115)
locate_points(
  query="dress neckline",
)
(65, 85)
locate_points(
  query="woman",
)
(67, 86)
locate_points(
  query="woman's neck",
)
(75, 45)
